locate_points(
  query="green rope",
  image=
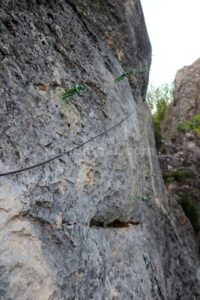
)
(69, 93)
(75, 90)
(125, 75)
(138, 198)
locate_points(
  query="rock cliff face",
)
(180, 158)
(95, 224)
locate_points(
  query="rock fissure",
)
(114, 224)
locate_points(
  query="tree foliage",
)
(158, 99)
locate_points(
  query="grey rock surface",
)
(180, 152)
(95, 224)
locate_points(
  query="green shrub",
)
(191, 211)
(196, 119)
(184, 126)
(191, 125)
(177, 175)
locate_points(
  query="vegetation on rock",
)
(190, 210)
(190, 125)
(177, 175)
(158, 99)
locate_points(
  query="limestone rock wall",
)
(180, 155)
(95, 224)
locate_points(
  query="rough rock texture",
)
(180, 165)
(95, 224)
(186, 99)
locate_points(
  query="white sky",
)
(174, 31)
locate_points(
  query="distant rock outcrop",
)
(96, 223)
(186, 99)
(180, 154)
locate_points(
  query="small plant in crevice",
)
(191, 211)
